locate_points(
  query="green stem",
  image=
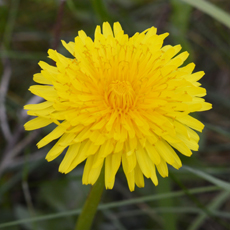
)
(86, 217)
(169, 219)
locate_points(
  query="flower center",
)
(121, 87)
(121, 95)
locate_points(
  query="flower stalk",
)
(86, 217)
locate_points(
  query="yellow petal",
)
(80, 156)
(153, 174)
(91, 174)
(165, 151)
(139, 179)
(39, 78)
(54, 152)
(143, 161)
(129, 175)
(37, 123)
(117, 28)
(39, 106)
(69, 158)
(191, 122)
(152, 153)
(42, 112)
(48, 67)
(47, 92)
(107, 29)
(132, 160)
(182, 148)
(162, 168)
(56, 133)
(69, 46)
(112, 164)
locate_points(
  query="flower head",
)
(119, 100)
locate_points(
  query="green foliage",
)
(212, 10)
(180, 19)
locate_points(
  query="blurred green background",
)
(35, 196)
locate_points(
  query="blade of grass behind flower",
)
(101, 11)
(112, 205)
(15, 178)
(180, 19)
(215, 204)
(187, 210)
(218, 130)
(212, 179)
(218, 98)
(114, 219)
(23, 55)
(212, 10)
(77, 11)
(207, 212)
(9, 27)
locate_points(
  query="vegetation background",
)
(35, 196)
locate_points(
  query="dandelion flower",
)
(119, 101)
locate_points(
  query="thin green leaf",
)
(218, 130)
(112, 205)
(10, 23)
(180, 21)
(215, 204)
(114, 219)
(212, 179)
(212, 10)
(23, 55)
(188, 210)
(101, 11)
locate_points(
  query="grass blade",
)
(212, 179)
(212, 10)
(215, 204)
(111, 205)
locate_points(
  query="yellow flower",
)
(119, 100)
